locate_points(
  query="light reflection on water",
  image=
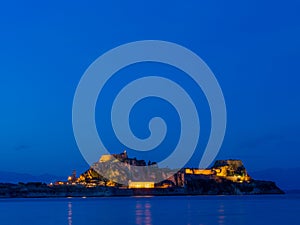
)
(183, 210)
(221, 214)
(70, 213)
(143, 213)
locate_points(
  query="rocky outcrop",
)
(225, 177)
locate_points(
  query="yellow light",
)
(140, 184)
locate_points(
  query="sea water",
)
(188, 210)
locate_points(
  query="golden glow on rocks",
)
(232, 170)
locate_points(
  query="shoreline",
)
(41, 190)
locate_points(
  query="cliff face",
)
(231, 169)
(119, 169)
(229, 177)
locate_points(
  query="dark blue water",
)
(272, 209)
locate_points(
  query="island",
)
(114, 175)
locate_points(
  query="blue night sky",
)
(252, 47)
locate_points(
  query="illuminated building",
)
(140, 184)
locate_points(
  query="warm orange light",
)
(140, 184)
(188, 171)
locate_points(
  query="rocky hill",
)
(224, 177)
(119, 175)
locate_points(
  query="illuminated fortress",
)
(231, 170)
(138, 178)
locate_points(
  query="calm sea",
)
(270, 209)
